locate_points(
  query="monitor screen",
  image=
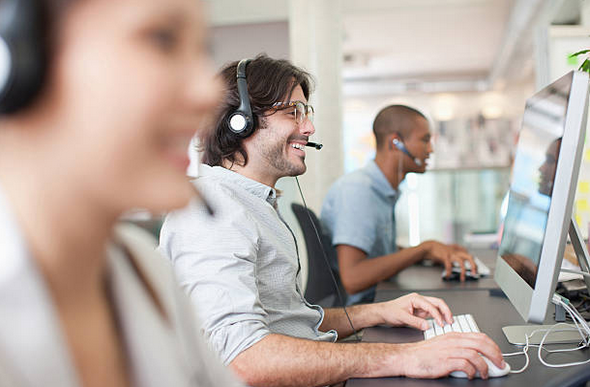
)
(533, 177)
(541, 195)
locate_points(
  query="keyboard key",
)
(472, 324)
(482, 268)
(438, 330)
(463, 323)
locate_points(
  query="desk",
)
(491, 313)
(420, 278)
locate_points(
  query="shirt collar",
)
(256, 188)
(380, 182)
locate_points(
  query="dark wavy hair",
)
(269, 81)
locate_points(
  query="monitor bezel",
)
(532, 303)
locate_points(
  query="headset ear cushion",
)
(238, 123)
(22, 28)
(5, 66)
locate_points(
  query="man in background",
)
(358, 212)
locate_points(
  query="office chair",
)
(320, 288)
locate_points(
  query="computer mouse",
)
(493, 371)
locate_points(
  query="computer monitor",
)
(542, 189)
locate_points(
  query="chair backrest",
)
(320, 288)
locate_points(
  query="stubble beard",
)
(276, 158)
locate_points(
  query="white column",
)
(585, 13)
(315, 36)
(315, 40)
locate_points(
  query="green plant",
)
(585, 66)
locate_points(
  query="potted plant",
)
(585, 66)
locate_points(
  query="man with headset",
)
(358, 211)
(241, 267)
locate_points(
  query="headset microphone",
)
(315, 145)
(400, 145)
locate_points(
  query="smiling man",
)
(241, 267)
(359, 210)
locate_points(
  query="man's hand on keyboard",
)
(412, 309)
(453, 351)
(447, 254)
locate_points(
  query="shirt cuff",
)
(231, 340)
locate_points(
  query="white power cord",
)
(580, 325)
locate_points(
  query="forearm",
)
(365, 273)
(361, 316)
(279, 360)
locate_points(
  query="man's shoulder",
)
(223, 198)
(353, 182)
(361, 174)
(215, 185)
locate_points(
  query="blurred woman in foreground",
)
(117, 90)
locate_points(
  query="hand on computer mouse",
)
(447, 255)
(455, 275)
(493, 371)
(442, 355)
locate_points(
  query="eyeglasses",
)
(301, 110)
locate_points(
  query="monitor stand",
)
(515, 334)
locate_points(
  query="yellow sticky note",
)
(584, 187)
(582, 205)
(579, 220)
(587, 155)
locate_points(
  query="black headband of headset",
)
(241, 121)
(243, 88)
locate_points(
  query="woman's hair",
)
(269, 81)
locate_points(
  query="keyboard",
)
(482, 270)
(463, 323)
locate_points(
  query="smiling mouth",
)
(298, 146)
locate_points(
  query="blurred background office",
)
(468, 64)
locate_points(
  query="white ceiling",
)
(476, 42)
(422, 38)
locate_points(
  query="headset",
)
(241, 121)
(23, 52)
(400, 145)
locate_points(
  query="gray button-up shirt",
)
(240, 267)
(359, 211)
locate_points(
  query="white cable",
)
(581, 326)
(524, 352)
(576, 272)
(576, 316)
(583, 329)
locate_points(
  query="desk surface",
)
(420, 277)
(491, 313)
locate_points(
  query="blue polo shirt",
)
(359, 210)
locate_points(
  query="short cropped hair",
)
(394, 119)
(269, 81)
